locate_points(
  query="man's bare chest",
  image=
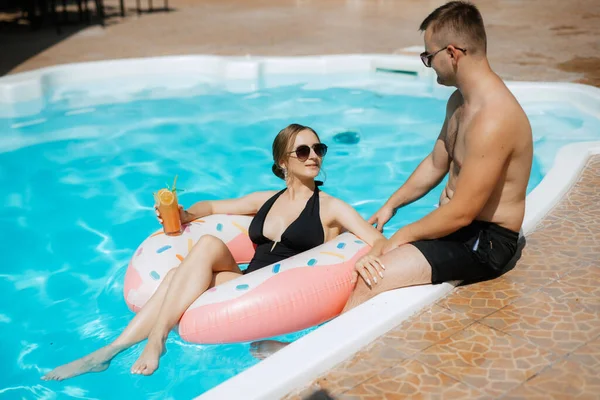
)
(455, 137)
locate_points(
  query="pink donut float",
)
(297, 293)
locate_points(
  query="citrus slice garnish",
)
(166, 197)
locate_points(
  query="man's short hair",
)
(461, 19)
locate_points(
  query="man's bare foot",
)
(97, 361)
(264, 348)
(147, 363)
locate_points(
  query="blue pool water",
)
(77, 200)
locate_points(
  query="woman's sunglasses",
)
(303, 151)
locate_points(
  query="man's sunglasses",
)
(303, 151)
(426, 57)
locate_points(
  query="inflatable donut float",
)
(294, 294)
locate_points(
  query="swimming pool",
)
(80, 162)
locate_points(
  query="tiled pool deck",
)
(532, 333)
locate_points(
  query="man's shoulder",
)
(503, 110)
(499, 119)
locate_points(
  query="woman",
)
(286, 223)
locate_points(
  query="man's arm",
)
(487, 153)
(428, 175)
(432, 169)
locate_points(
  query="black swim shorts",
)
(477, 252)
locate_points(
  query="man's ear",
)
(453, 51)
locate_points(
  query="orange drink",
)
(168, 208)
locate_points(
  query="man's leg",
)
(404, 266)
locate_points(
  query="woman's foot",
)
(97, 361)
(264, 348)
(147, 363)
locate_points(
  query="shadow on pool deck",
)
(20, 41)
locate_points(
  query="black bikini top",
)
(303, 234)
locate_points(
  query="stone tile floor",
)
(538, 40)
(532, 333)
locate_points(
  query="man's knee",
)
(361, 288)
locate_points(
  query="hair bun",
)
(278, 171)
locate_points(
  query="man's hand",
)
(382, 216)
(369, 267)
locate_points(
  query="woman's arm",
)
(246, 205)
(350, 220)
(368, 267)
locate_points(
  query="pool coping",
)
(236, 73)
(320, 350)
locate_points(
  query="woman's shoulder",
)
(324, 196)
(263, 194)
(260, 198)
(330, 201)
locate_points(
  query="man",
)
(486, 146)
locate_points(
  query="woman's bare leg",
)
(209, 263)
(136, 331)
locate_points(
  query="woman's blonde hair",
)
(282, 146)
